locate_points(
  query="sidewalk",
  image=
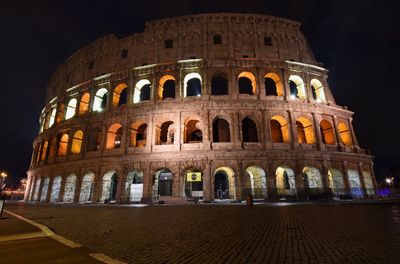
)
(23, 242)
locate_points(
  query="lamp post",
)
(3, 175)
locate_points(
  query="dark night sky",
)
(358, 41)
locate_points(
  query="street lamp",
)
(3, 175)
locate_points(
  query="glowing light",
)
(318, 100)
(198, 95)
(292, 97)
(388, 180)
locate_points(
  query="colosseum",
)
(205, 108)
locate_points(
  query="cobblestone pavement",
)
(308, 233)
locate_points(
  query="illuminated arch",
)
(327, 134)
(355, 183)
(335, 179)
(193, 131)
(256, 181)
(345, 134)
(138, 134)
(45, 189)
(297, 87)
(120, 94)
(134, 186)
(114, 136)
(166, 87)
(142, 87)
(224, 183)
(71, 109)
(312, 178)
(69, 190)
(162, 182)
(273, 84)
(55, 189)
(109, 186)
(86, 193)
(318, 91)
(247, 81)
(77, 142)
(52, 116)
(63, 145)
(60, 113)
(166, 133)
(44, 150)
(279, 129)
(100, 100)
(84, 104)
(285, 181)
(305, 131)
(192, 84)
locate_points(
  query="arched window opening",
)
(69, 190)
(44, 150)
(45, 189)
(355, 183)
(249, 130)
(219, 86)
(52, 117)
(297, 87)
(193, 133)
(318, 91)
(192, 84)
(84, 104)
(71, 108)
(336, 183)
(93, 139)
(273, 84)
(305, 131)
(327, 135)
(134, 186)
(167, 132)
(100, 100)
(138, 135)
(224, 183)
(63, 145)
(114, 136)
(312, 178)
(256, 182)
(162, 182)
(77, 142)
(53, 147)
(247, 83)
(221, 130)
(109, 187)
(279, 129)
(142, 91)
(55, 189)
(345, 134)
(86, 193)
(120, 94)
(166, 87)
(285, 181)
(60, 113)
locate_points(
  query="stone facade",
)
(237, 98)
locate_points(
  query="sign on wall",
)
(193, 177)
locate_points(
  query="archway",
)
(62, 144)
(344, 134)
(273, 84)
(192, 84)
(55, 190)
(166, 134)
(193, 133)
(249, 130)
(69, 189)
(77, 142)
(36, 192)
(134, 186)
(285, 181)
(142, 91)
(247, 83)
(305, 131)
(224, 183)
(336, 184)
(279, 129)
(138, 134)
(109, 187)
(312, 182)
(162, 184)
(120, 94)
(100, 100)
(71, 109)
(355, 184)
(256, 182)
(45, 189)
(84, 104)
(193, 183)
(318, 91)
(297, 87)
(221, 130)
(219, 86)
(327, 135)
(166, 87)
(114, 136)
(369, 185)
(86, 194)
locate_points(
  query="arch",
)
(60, 113)
(134, 186)
(193, 186)
(45, 189)
(273, 84)
(36, 192)
(369, 185)
(192, 84)
(249, 130)
(120, 94)
(355, 183)
(327, 134)
(247, 83)
(84, 103)
(142, 91)
(114, 136)
(53, 147)
(100, 100)
(87, 188)
(77, 142)
(345, 134)
(312, 178)
(71, 108)
(44, 150)
(166, 87)
(93, 139)
(138, 134)
(297, 87)
(162, 183)
(193, 132)
(63, 145)
(221, 130)
(69, 190)
(305, 131)
(219, 85)
(318, 91)
(109, 187)
(285, 181)
(166, 133)
(335, 179)
(55, 189)
(256, 182)
(279, 129)
(52, 117)
(224, 183)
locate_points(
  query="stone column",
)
(293, 130)
(317, 132)
(62, 189)
(346, 177)
(147, 183)
(207, 187)
(78, 186)
(362, 180)
(338, 140)
(40, 188)
(353, 135)
(120, 186)
(49, 188)
(28, 188)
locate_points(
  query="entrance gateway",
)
(221, 185)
